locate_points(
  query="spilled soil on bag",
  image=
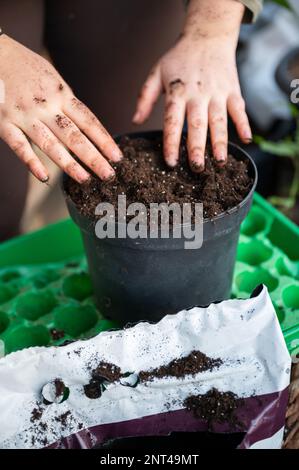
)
(104, 372)
(192, 364)
(215, 407)
(144, 177)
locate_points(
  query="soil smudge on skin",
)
(62, 121)
(38, 100)
(176, 82)
(144, 177)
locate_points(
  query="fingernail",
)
(83, 180)
(220, 153)
(42, 176)
(247, 136)
(109, 176)
(196, 167)
(136, 117)
(82, 176)
(117, 155)
(172, 161)
(221, 161)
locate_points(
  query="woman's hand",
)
(199, 77)
(39, 107)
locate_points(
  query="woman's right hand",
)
(38, 106)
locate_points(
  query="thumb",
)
(149, 94)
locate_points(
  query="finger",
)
(174, 116)
(91, 126)
(18, 142)
(218, 130)
(149, 94)
(42, 136)
(68, 133)
(236, 109)
(197, 119)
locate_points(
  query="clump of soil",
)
(215, 407)
(107, 371)
(144, 177)
(93, 389)
(57, 334)
(104, 371)
(59, 388)
(63, 418)
(192, 364)
(36, 414)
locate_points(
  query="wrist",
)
(212, 19)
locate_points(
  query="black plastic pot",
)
(145, 279)
(282, 74)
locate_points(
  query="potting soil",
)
(144, 177)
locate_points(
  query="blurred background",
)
(268, 61)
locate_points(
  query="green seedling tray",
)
(268, 253)
(44, 284)
(47, 304)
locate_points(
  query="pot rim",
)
(215, 219)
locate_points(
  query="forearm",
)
(213, 18)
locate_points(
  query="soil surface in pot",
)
(144, 177)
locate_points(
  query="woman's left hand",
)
(200, 79)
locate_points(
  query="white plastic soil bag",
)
(223, 369)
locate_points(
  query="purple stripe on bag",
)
(260, 417)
